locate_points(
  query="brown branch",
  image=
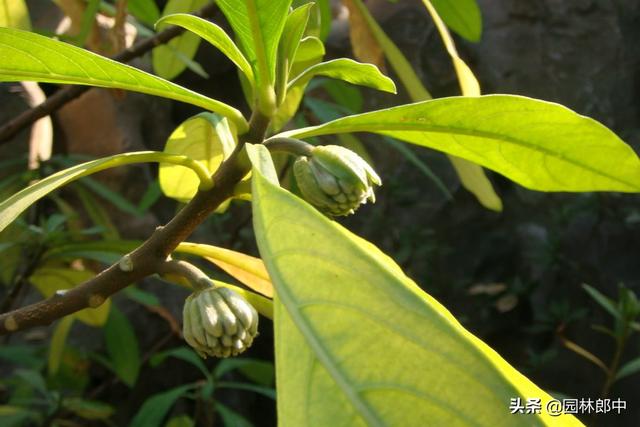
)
(66, 94)
(149, 257)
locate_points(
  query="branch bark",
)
(149, 257)
(69, 93)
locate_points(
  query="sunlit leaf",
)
(19, 202)
(540, 145)
(206, 138)
(350, 71)
(245, 268)
(122, 346)
(29, 56)
(358, 343)
(215, 35)
(166, 63)
(291, 36)
(14, 14)
(49, 280)
(258, 25)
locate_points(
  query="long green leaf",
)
(350, 71)
(29, 56)
(58, 343)
(630, 368)
(358, 343)
(291, 36)
(215, 36)
(169, 59)
(122, 346)
(258, 25)
(462, 16)
(146, 11)
(471, 175)
(19, 202)
(540, 145)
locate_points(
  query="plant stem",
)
(612, 372)
(149, 257)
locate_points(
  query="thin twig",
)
(69, 93)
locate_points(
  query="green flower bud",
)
(219, 322)
(335, 180)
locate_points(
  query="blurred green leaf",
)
(122, 346)
(29, 56)
(29, 356)
(88, 409)
(180, 421)
(604, 302)
(182, 353)
(540, 145)
(629, 368)
(141, 297)
(265, 391)
(357, 342)
(230, 418)
(14, 14)
(156, 408)
(58, 343)
(462, 16)
(165, 62)
(145, 11)
(49, 280)
(258, 371)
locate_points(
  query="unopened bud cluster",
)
(219, 322)
(335, 179)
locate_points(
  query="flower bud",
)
(335, 180)
(219, 322)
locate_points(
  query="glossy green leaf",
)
(358, 343)
(540, 145)
(213, 34)
(146, 11)
(245, 268)
(206, 138)
(350, 71)
(19, 202)
(462, 16)
(58, 343)
(166, 57)
(309, 49)
(156, 408)
(49, 280)
(291, 36)
(14, 14)
(122, 346)
(258, 25)
(29, 56)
